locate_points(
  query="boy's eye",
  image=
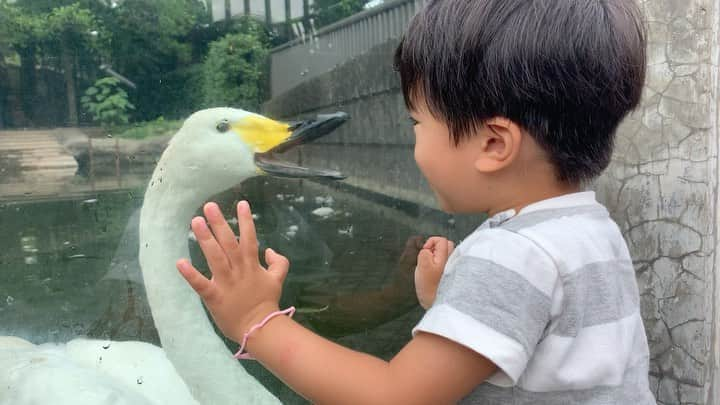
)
(412, 120)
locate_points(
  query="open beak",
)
(299, 133)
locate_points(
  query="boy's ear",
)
(500, 141)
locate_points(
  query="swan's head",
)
(233, 144)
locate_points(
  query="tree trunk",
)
(68, 65)
(28, 84)
(288, 18)
(4, 85)
(306, 16)
(268, 15)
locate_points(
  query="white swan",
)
(214, 150)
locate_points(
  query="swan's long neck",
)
(199, 355)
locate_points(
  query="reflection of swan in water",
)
(214, 150)
(296, 238)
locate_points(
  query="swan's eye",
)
(223, 126)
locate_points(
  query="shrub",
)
(235, 72)
(107, 103)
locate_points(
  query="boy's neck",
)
(532, 189)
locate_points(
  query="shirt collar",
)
(563, 201)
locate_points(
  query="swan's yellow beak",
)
(268, 137)
(262, 133)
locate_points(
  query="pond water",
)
(69, 268)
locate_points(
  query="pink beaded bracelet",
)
(247, 356)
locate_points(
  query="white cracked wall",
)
(662, 190)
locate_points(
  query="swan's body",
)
(89, 372)
(214, 150)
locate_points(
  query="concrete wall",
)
(316, 53)
(661, 187)
(662, 190)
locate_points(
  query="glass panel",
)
(91, 92)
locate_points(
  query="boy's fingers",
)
(433, 241)
(216, 258)
(197, 281)
(248, 239)
(441, 252)
(222, 231)
(425, 258)
(278, 264)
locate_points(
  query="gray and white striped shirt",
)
(549, 295)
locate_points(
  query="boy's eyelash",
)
(412, 120)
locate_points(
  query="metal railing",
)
(316, 53)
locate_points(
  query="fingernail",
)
(244, 205)
(199, 221)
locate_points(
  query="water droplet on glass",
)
(140, 380)
(106, 346)
(9, 300)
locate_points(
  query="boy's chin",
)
(445, 206)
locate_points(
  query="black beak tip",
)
(338, 116)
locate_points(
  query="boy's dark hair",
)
(567, 71)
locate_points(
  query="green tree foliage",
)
(160, 45)
(107, 103)
(22, 32)
(69, 31)
(235, 72)
(19, 28)
(148, 36)
(327, 12)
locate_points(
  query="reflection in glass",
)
(79, 307)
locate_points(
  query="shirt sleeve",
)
(495, 298)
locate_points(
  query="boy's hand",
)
(431, 263)
(241, 292)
